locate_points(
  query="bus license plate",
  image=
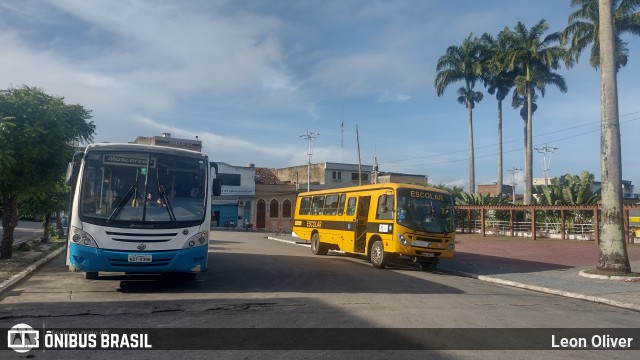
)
(427, 254)
(139, 258)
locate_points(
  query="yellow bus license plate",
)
(427, 254)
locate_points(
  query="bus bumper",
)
(191, 260)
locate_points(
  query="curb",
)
(609, 277)
(545, 290)
(288, 241)
(29, 269)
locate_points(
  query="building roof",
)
(266, 176)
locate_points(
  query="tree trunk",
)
(472, 169)
(613, 250)
(528, 156)
(9, 223)
(47, 227)
(499, 180)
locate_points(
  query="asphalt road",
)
(253, 282)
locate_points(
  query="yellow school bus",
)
(386, 222)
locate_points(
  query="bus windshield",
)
(428, 211)
(142, 187)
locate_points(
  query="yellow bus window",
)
(385, 207)
(331, 205)
(305, 206)
(317, 205)
(351, 206)
(343, 198)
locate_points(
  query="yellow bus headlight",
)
(403, 240)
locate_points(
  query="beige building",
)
(273, 203)
(325, 175)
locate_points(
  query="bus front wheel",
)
(318, 248)
(378, 256)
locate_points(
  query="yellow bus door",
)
(360, 231)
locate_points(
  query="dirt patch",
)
(27, 253)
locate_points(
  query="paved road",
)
(253, 282)
(25, 230)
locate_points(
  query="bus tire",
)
(91, 275)
(317, 247)
(378, 256)
(428, 265)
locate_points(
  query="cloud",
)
(393, 97)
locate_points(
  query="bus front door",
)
(360, 230)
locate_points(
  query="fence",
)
(467, 221)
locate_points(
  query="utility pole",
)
(309, 137)
(514, 181)
(545, 154)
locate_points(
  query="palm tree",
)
(534, 58)
(498, 80)
(582, 30)
(463, 63)
(613, 256)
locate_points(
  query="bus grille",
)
(141, 237)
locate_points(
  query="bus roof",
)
(143, 147)
(370, 187)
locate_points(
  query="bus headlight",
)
(451, 246)
(403, 240)
(199, 239)
(81, 237)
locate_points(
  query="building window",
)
(286, 209)
(336, 175)
(229, 179)
(364, 177)
(274, 208)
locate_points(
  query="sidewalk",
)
(544, 265)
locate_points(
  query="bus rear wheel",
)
(378, 257)
(317, 247)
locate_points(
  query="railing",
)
(480, 218)
(545, 229)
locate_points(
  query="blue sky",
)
(249, 77)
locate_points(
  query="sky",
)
(248, 78)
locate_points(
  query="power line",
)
(389, 163)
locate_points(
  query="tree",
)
(534, 59)
(583, 26)
(613, 256)
(463, 63)
(36, 133)
(45, 203)
(498, 80)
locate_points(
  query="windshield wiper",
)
(122, 202)
(163, 194)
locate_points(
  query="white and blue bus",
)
(139, 209)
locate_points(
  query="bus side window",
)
(318, 204)
(351, 206)
(343, 198)
(331, 205)
(385, 206)
(305, 206)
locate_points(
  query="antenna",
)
(309, 137)
(545, 154)
(514, 181)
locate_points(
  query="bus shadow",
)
(479, 264)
